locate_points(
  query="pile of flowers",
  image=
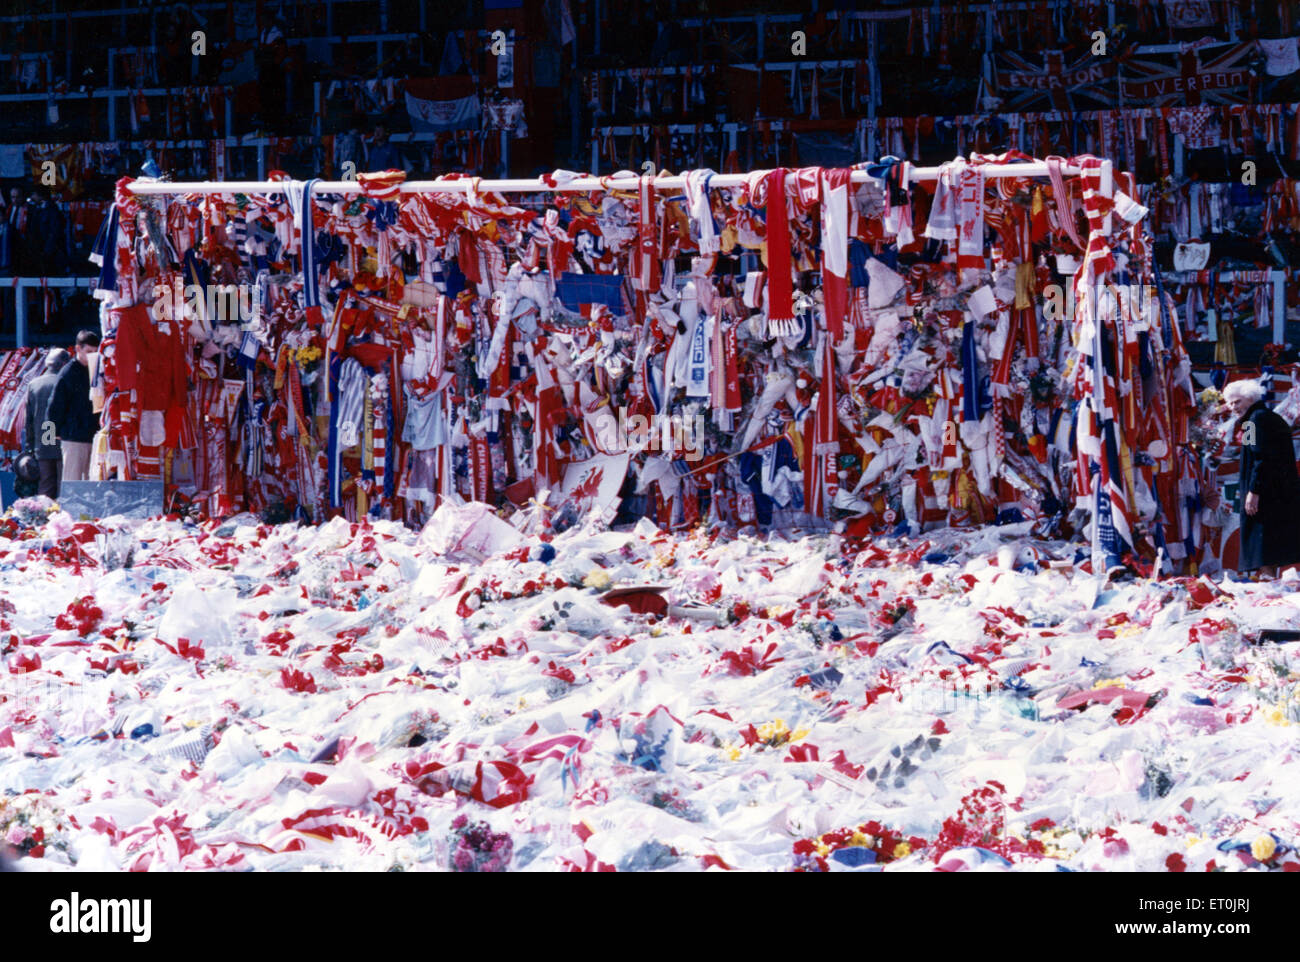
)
(82, 616)
(476, 848)
(773, 734)
(869, 844)
(1044, 837)
(980, 822)
(1259, 852)
(32, 512)
(31, 825)
(1274, 678)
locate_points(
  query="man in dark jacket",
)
(1270, 486)
(70, 410)
(39, 435)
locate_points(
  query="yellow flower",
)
(1110, 683)
(902, 850)
(1263, 848)
(800, 734)
(733, 752)
(860, 839)
(823, 849)
(596, 578)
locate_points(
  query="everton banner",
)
(1054, 83)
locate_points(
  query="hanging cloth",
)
(703, 230)
(974, 401)
(835, 247)
(645, 265)
(1225, 348)
(780, 290)
(300, 203)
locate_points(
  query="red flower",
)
(278, 641)
(803, 753)
(748, 661)
(1176, 863)
(1211, 865)
(1159, 829)
(1042, 825)
(874, 694)
(554, 671)
(294, 680)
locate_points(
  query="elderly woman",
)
(1270, 487)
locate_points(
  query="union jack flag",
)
(1187, 79)
(1078, 85)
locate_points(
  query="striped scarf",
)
(645, 262)
(835, 247)
(780, 289)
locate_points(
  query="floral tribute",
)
(476, 848)
(31, 826)
(868, 844)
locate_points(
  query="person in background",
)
(37, 438)
(382, 154)
(71, 412)
(11, 244)
(349, 148)
(1270, 485)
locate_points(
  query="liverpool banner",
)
(1193, 77)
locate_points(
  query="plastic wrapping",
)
(257, 697)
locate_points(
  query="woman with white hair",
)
(1269, 499)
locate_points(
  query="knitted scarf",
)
(780, 313)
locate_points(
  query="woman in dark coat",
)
(1269, 498)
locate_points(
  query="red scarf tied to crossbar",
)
(779, 288)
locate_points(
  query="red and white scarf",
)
(780, 290)
(645, 260)
(969, 190)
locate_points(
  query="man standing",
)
(39, 436)
(382, 155)
(71, 411)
